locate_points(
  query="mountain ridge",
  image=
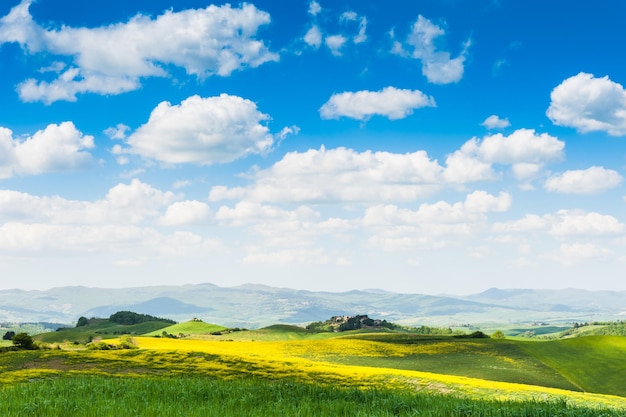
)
(255, 305)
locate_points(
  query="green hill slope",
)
(191, 327)
(592, 363)
(102, 328)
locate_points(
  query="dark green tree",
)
(8, 335)
(82, 321)
(23, 341)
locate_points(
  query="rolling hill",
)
(254, 306)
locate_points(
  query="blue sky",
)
(428, 147)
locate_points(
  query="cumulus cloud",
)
(565, 223)
(246, 212)
(584, 181)
(389, 102)
(580, 223)
(185, 213)
(335, 43)
(314, 8)
(123, 204)
(432, 225)
(56, 148)
(494, 122)
(340, 175)
(202, 131)
(113, 59)
(115, 239)
(437, 66)
(524, 149)
(313, 37)
(118, 223)
(475, 204)
(588, 104)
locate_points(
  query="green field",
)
(313, 373)
(199, 396)
(188, 328)
(592, 363)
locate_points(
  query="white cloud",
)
(246, 212)
(529, 223)
(323, 176)
(483, 202)
(472, 209)
(390, 102)
(288, 130)
(202, 131)
(525, 150)
(565, 223)
(120, 223)
(589, 104)
(59, 147)
(335, 43)
(432, 225)
(351, 16)
(340, 175)
(494, 122)
(300, 256)
(313, 37)
(574, 253)
(186, 212)
(464, 166)
(314, 8)
(112, 59)
(123, 204)
(584, 181)
(437, 66)
(578, 223)
(117, 132)
(116, 239)
(361, 36)
(317, 35)
(523, 145)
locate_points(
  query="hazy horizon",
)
(418, 147)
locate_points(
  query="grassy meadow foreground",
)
(289, 371)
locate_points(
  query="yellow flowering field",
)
(304, 360)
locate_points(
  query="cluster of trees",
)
(128, 317)
(20, 340)
(125, 318)
(8, 335)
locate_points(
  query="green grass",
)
(188, 328)
(495, 360)
(278, 333)
(200, 396)
(537, 330)
(101, 328)
(593, 363)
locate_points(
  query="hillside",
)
(255, 306)
(119, 323)
(363, 357)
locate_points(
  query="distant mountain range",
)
(254, 306)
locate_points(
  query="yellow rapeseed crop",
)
(304, 360)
